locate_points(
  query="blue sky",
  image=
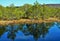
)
(21, 2)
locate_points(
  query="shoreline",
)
(6, 22)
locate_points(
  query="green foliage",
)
(36, 11)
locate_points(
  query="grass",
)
(6, 22)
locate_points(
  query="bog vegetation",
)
(28, 11)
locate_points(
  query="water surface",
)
(30, 32)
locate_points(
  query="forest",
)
(28, 11)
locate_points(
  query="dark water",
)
(30, 32)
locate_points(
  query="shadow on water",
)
(36, 30)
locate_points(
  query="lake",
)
(30, 32)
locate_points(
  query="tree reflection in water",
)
(2, 30)
(12, 31)
(37, 30)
